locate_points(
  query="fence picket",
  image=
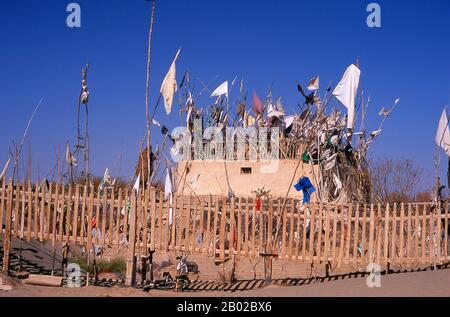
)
(446, 232)
(16, 211)
(298, 242)
(75, 214)
(118, 216)
(326, 248)
(386, 234)
(424, 233)
(83, 213)
(408, 237)
(402, 232)
(30, 205)
(356, 236)
(223, 221)
(2, 204)
(349, 234)
(160, 221)
(291, 231)
(36, 213)
(394, 233)
(312, 226)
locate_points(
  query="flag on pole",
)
(169, 85)
(221, 90)
(70, 159)
(156, 123)
(346, 92)
(275, 110)
(68, 154)
(314, 84)
(258, 107)
(106, 176)
(443, 133)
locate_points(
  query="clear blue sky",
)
(265, 42)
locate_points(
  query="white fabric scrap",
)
(346, 92)
(443, 133)
(289, 121)
(156, 123)
(169, 85)
(314, 84)
(376, 133)
(194, 180)
(330, 162)
(136, 184)
(70, 159)
(221, 90)
(338, 184)
(106, 176)
(384, 112)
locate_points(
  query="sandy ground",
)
(417, 284)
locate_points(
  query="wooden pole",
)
(25, 134)
(7, 237)
(149, 172)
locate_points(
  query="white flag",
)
(3, 173)
(68, 155)
(156, 123)
(106, 176)
(289, 121)
(275, 110)
(221, 90)
(443, 133)
(346, 92)
(169, 85)
(314, 84)
(136, 185)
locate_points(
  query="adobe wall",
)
(213, 178)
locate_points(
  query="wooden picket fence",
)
(405, 234)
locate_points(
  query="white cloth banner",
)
(346, 92)
(221, 90)
(443, 133)
(169, 85)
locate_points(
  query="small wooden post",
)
(131, 259)
(7, 237)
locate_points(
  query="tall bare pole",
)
(24, 136)
(147, 93)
